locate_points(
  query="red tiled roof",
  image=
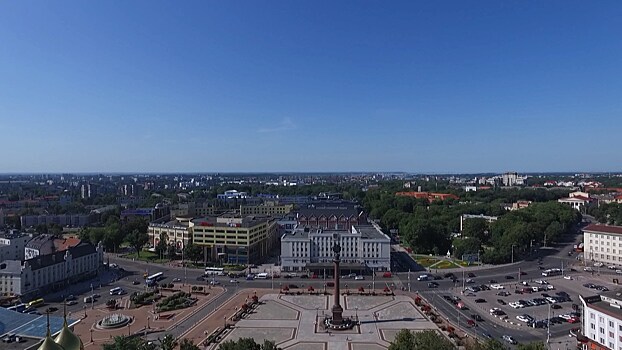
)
(64, 244)
(604, 228)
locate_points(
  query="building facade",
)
(12, 245)
(363, 247)
(235, 239)
(602, 321)
(76, 220)
(177, 232)
(51, 271)
(331, 215)
(268, 208)
(577, 200)
(603, 243)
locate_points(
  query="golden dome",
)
(68, 340)
(49, 344)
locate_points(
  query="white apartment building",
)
(12, 245)
(602, 321)
(366, 247)
(603, 243)
(50, 271)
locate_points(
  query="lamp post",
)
(148, 322)
(225, 322)
(129, 330)
(513, 245)
(91, 330)
(409, 280)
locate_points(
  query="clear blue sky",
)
(418, 86)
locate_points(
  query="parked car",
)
(500, 301)
(359, 277)
(432, 284)
(176, 279)
(492, 281)
(70, 297)
(556, 306)
(135, 282)
(508, 277)
(479, 301)
(504, 294)
(471, 274)
(72, 302)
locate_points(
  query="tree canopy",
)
(423, 340)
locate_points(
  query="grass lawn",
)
(445, 264)
(426, 261)
(146, 256)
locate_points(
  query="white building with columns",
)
(364, 248)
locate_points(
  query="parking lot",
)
(530, 303)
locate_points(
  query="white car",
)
(598, 264)
(523, 318)
(612, 267)
(494, 309)
(233, 281)
(470, 280)
(550, 287)
(570, 277)
(619, 272)
(496, 286)
(515, 305)
(588, 269)
(541, 282)
(176, 279)
(358, 278)
(214, 283)
(509, 339)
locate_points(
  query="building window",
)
(602, 330)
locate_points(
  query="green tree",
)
(532, 346)
(168, 342)
(128, 343)
(424, 340)
(193, 252)
(469, 245)
(187, 344)
(161, 247)
(247, 344)
(137, 240)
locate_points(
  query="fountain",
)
(337, 321)
(113, 321)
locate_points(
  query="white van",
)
(423, 278)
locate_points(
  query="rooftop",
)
(231, 220)
(29, 325)
(328, 208)
(604, 228)
(608, 303)
(366, 232)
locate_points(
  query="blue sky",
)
(417, 86)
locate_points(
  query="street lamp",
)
(91, 330)
(513, 245)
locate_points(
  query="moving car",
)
(471, 274)
(509, 339)
(72, 302)
(233, 281)
(176, 279)
(477, 317)
(497, 286)
(359, 277)
(432, 284)
(500, 301)
(508, 277)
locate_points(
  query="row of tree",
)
(432, 340)
(116, 232)
(169, 343)
(608, 213)
(427, 227)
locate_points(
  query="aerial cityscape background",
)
(449, 87)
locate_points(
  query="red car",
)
(387, 275)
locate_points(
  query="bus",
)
(18, 308)
(262, 276)
(35, 303)
(116, 291)
(551, 272)
(154, 278)
(219, 271)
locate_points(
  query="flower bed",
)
(179, 300)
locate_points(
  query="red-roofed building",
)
(430, 196)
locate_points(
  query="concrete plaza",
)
(293, 321)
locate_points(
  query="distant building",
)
(50, 271)
(88, 190)
(363, 247)
(509, 179)
(150, 214)
(577, 200)
(75, 220)
(602, 320)
(430, 196)
(236, 239)
(46, 244)
(267, 208)
(517, 205)
(232, 194)
(12, 245)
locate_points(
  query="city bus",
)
(35, 303)
(116, 291)
(154, 278)
(551, 272)
(219, 271)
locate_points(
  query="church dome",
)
(49, 344)
(68, 340)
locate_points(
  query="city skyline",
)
(281, 87)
